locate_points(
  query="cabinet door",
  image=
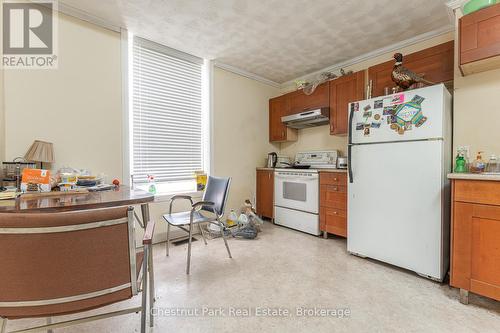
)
(318, 99)
(476, 249)
(277, 109)
(480, 40)
(265, 193)
(344, 90)
(333, 221)
(435, 63)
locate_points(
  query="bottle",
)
(152, 184)
(478, 164)
(460, 163)
(493, 166)
(231, 219)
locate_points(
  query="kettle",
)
(272, 160)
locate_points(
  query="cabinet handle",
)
(335, 179)
(335, 212)
(335, 188)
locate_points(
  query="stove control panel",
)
(318, 159)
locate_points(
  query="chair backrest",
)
(217, 191)
(66, 262)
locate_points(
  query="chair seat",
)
(182, 218)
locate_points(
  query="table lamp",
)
(40, 151)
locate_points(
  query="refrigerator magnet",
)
(366, 131)
(379, 104)
(421, 121)
(354, 107)
(375, 125)
(360, 126)
(367, 114)
(398, 99)
(388, 110)
(367, 108)
(417, 99)
(376, 116)
(386, 102)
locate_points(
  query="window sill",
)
(165, 191)
(167, 196)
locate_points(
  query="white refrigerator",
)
(398, 192)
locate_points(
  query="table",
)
(121, 196)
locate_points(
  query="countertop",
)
(474, 176)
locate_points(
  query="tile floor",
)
(286, 270)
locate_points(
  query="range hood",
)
(309, 118)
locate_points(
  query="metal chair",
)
(69, 262)
(213, 203)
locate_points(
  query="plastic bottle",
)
(478, 165)
(460, 163)
(231, 219)
(152, 184)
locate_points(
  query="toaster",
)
(342, 163)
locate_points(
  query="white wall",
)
(77, 106)
(476, 109)
(319, 138)
(241, 131)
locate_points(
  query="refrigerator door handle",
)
(349, 147)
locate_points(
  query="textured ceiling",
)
(276, 39)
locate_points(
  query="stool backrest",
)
(66, 262)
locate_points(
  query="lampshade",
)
(40, 151)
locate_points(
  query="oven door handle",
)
(297, 178)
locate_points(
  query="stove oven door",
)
(297, 190)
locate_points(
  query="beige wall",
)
(77, 106)
(240, 133)
(319, 138)
(476, 110)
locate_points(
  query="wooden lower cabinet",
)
(333, 203)
(265, 193)
(475, 239)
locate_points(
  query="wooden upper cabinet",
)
(344, 90)
(318, 99)
(434, 63)
(479, 36)
(278, 132)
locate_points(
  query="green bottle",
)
(460, 164)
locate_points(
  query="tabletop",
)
(121, 196)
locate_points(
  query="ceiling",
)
(276, 39)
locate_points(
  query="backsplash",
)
(315, 138)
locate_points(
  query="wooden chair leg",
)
(224, 237)
(168, 237)
(151, 285)
(189, 248)
(144, 290)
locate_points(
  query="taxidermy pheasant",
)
(403, 77)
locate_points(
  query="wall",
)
(77, 106)
(319, 138)
(476, 109)
(240, 133)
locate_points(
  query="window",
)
(167, 125)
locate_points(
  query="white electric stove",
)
(296, 191)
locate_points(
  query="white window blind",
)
(167, 113)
